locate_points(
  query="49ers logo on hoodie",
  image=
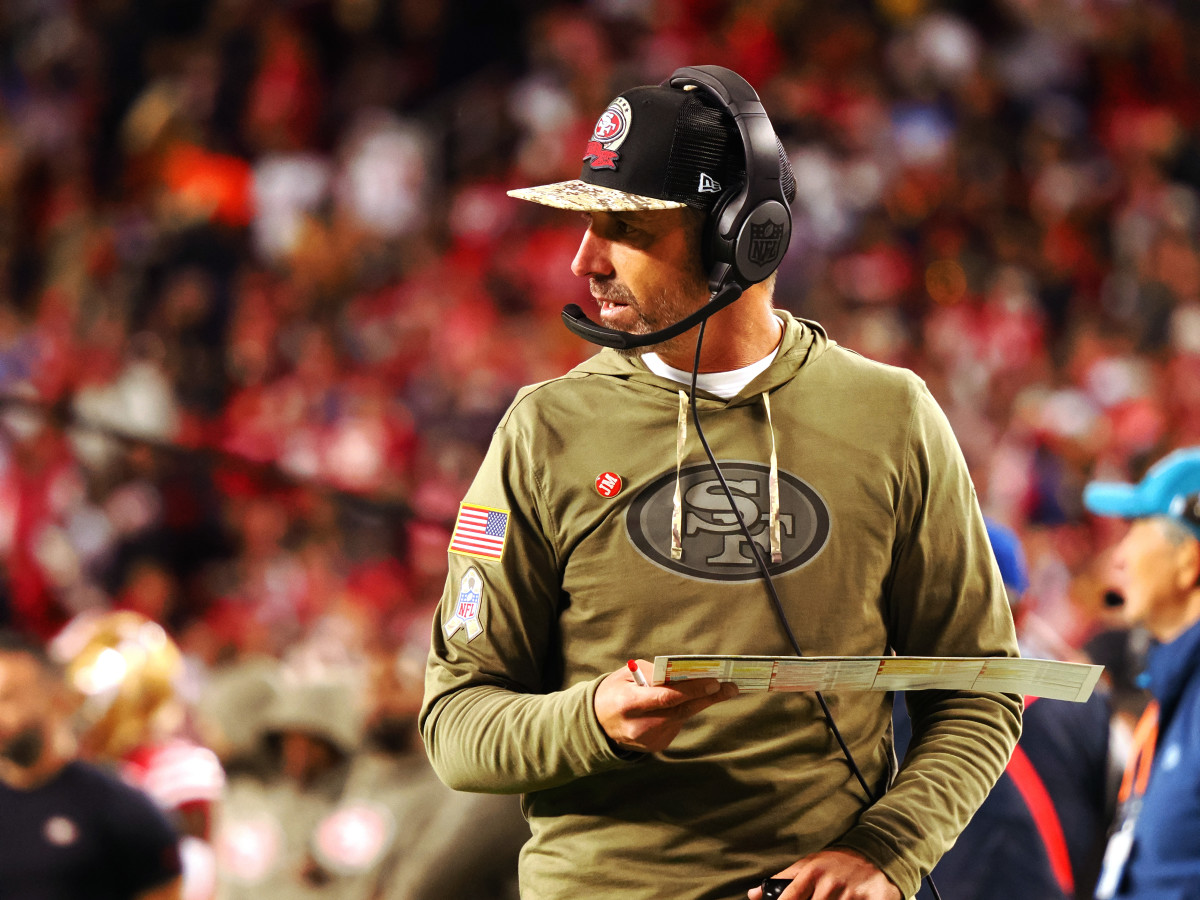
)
(714, 546)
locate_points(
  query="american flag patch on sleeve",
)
(479, 531)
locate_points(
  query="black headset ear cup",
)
(749, 227)
(757, 247)
(761, 242)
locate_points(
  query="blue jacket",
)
(1165, 861)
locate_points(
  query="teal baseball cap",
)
(1171, 487)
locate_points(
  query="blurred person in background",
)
(1154, 853)
(68, 828)
(469, 849)
(465, 850)
(230, 709)
(273, 837)
(41, 485)
(1040, 833)
(329, 816)
(132, 716)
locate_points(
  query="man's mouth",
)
(611, 308)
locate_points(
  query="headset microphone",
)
(579, 324)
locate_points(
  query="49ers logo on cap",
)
(611, 129)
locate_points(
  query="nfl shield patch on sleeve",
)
(479, 531)
(466, 607)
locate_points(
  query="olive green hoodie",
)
(880, 546)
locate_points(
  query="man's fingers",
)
(836, 875)
(673, 706)
(648, 718)
(706, 691)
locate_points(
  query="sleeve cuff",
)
(608, 752)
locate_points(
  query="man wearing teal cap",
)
(1155, 851)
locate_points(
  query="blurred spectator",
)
(128, 678)
(492, 826)
(348, 806)
(69, 828)
(1155, 851)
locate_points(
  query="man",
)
(1155, 853)
(596, 531)
(1040, 833)
(68, 829)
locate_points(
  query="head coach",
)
(721, 478)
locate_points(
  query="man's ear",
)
(1189, 565)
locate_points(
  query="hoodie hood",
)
(804, 342)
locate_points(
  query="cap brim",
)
(583, 197)
(1122, 501)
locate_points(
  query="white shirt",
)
(721, 384)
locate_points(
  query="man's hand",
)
(648, 718)
(834, 875)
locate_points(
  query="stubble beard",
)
(669, 307)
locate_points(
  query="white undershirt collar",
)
(725, 385)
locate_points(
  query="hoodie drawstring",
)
(773, 488)
(772, 484)
(677, 502)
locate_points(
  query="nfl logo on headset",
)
(764, 242)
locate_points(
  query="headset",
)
(747, 232)
(734, 237)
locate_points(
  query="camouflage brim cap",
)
(654, 147)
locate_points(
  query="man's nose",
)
(592, 258)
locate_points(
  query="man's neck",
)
(737, 336)
(1178, 619)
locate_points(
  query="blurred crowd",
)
(263, 298)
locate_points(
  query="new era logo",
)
(708, 184)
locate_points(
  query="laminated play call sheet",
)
(1033, 677)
